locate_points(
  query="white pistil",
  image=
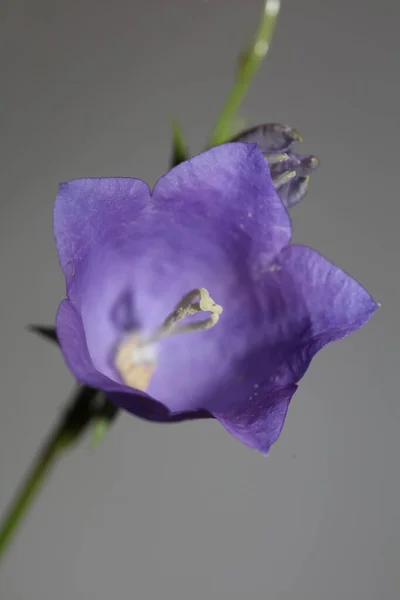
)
(135, 358)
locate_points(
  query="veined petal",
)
(258, 423)
(93, 212)
(226, 191)
(73, 344)
(314, 303)
(310, 302)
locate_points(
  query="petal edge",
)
(258, 424)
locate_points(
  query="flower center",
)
(135, 359)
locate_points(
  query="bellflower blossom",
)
(188, 301)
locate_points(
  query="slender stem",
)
(249, 64)
(84, 407)
(30, 487)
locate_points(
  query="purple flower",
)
(188, 301)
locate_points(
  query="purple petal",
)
(227, 189)
(92, 212)
(305, 302)
(72, 340)
(311, 303)
(258, 423)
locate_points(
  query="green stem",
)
(249, 64)
(85, 407)
(30, 487)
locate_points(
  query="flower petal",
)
(309, 303)
(92, 212)
(312, 303)
(72, 340)
(259, 422)
(226, 191)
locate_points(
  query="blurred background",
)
(184, 511)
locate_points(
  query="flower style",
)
(189, 301)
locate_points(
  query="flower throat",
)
(135, 358)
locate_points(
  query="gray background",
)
(185, 512)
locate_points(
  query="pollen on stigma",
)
(136, 357)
